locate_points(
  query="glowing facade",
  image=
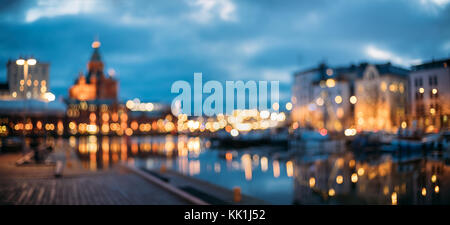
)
(92, 105)
(430, 96)
(382, 98)
(95, 85)
(27, 79)
(364, 97)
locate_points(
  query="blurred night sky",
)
(151, 44)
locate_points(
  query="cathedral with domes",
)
(95, 85)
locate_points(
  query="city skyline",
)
(170, 41)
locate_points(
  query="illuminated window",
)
(383, 86)
(353, 99)
(338, 99)
(393, 87)
(330, 83)
(401, 88)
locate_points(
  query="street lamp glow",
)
(312, 182)
(394, 198)
(361, 171)
(20, 62)
(339, 179)
(330, 83)
(350, 132)
(264, 114)
(329, 72)
(275, 106)
(289, 106)
(31, 62)
(404, 124)
(234, 133)
(331, 192)
(338, 99)
(353, 99)
(433, 178)
(130, 104)
(49, 96)
(149, 106)
(354, 178)
(319, 101)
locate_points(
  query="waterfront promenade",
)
(36, 184)
(64, 178)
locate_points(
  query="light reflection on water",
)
(332, 177)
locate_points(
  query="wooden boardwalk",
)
(36, 184)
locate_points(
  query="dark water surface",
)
(315, 173)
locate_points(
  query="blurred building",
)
(355, 97)
(430, 95)
(95, 85)
(26, 105)
(26, 79)
(31, 117)
(321, 97)
(93, 107)
(381, 95)
(150, 117)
